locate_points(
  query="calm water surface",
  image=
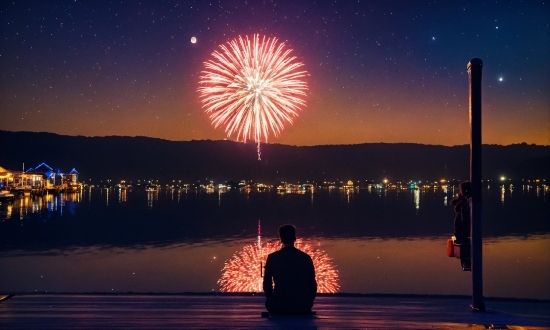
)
(380, 241)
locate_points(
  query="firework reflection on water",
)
(243, 272)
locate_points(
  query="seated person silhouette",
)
(289, 278)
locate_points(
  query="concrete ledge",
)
(151, 311)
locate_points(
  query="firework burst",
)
(243, 272)
(252, 87)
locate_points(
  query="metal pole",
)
(475, 67)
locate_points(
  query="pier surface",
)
(203, 311)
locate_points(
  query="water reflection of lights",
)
(152, 197)
(122, 195)
(417, 198)
(6, 211)
(28, 205)
(179, 195)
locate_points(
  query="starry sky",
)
(378, 71)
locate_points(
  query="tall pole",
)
(475, 67)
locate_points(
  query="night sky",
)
(378, 71)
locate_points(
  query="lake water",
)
(378, 241)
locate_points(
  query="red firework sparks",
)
(242, 273)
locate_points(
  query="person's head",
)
(465, 189)
(287, 233)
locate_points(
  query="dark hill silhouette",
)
(132, 158)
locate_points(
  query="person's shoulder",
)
(274, 254)
(302, 253)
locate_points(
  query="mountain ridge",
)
(146, 158)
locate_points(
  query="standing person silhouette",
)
(461, 205)
(289, 278)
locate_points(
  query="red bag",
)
(450, 248)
